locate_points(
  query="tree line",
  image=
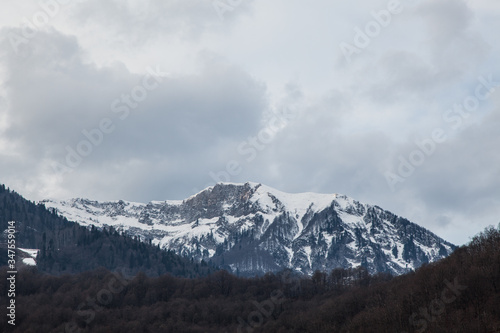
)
(67, 247)
(460, 293)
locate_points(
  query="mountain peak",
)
(253, 228)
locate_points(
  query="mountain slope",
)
(66, 247)
(251, 229)
(459, 294)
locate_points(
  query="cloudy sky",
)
(394, 103)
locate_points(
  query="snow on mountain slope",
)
(28, 256)
(252, 228)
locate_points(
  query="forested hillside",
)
(66, 247)
(458, 294)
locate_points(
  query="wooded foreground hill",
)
(458, 294)
(66, 247)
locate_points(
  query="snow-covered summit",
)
(252, 228)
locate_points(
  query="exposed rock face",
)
(251, 229)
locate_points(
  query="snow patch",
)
(31, 252)
(29, 261)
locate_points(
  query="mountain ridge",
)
(252, 228)
(58, 246)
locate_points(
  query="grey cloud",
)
(419, 65)
(54, 95)
(350, 124)
(460, 180)
(447, 20)
(454, 45)
(465, 170)
(136, 22)
(314, 153)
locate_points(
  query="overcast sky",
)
(392, 103)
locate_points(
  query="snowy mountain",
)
(251, 229)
